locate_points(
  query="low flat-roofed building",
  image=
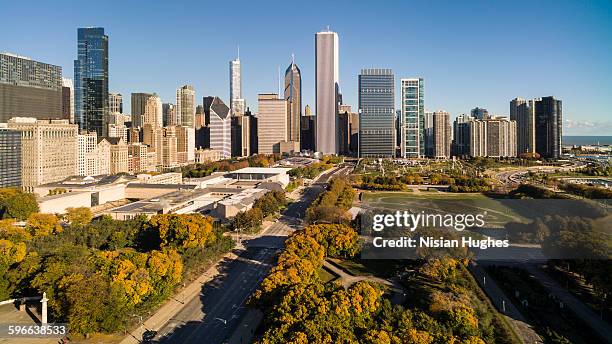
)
(242, 201)
(267, 174)
(177, 202)
(84, 183)
(146, 190)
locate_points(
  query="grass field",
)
(465, 203)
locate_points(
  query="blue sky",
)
(470, 53)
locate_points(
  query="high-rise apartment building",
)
(93, 156)
(326, 91)
(461, 135)
(48, 150)
(293, 96)
(29, 88)
(271, 123)
(237, 103)
(492, 137)
(185, 106)
(91, 80)
(308, 130)
(412, 142)
(479, 113)
(548, 127)
(10, 157)
(138, 158)
(441, 143)
(523, 112)
(68, 99)
(348, 130)
(376, 113)
(115, 103)
(220, 128)
(169, 148)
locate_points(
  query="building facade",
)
(523, 112)
(10, 158)
(169, 114)
(492, 137)
(29, 88)
(146, 109)
(441, 142)
(68, 99)
(93, 157)
(48, 150)
(271, 123)
(220, 128)
(185, 144)
(293, 96)
(115, 103)
(461, 135)
(237, 103)
(548, 127)
(119, 157)
(326, 91)
(91, 80)
(412, 142)
(376, 113)
(185, 106)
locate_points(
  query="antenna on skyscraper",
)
(328, 28)
(238, 51)
(292, 58)
(279, 82)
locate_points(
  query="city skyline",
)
(496, 74)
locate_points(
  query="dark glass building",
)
(10, 158)
(480, 113)
(461, 136)
(29, 88)
(91, 80)
(376, 113)
(307, 133)
(548, 127)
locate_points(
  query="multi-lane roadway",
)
(214, 315)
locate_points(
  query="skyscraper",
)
(220, 128)
(293, 96)
(185, 106)
(524, 114)
(271, 123)
(548, 127)
(91, 80)
(145, 108)
(461, 135)
(441, 135)
(67, 100)
(412, 142)
(326, 91)
(307, 130)
(492, 137)
(376, 113)
(236, 101)
(29, 88)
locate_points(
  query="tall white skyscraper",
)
(185, 106)
(326, 91)
(237, 103)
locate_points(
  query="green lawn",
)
(326, 276)
(466, 203)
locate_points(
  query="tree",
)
(40, 224)
(182, 231)
(17, 205)
(78, 216)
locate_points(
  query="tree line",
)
(250, 221)
(331, 206)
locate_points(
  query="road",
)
(213, 316)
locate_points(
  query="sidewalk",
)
(501, 301)
(590, 318)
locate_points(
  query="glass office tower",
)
(412, 143)
(91, 80)
(376, 113)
